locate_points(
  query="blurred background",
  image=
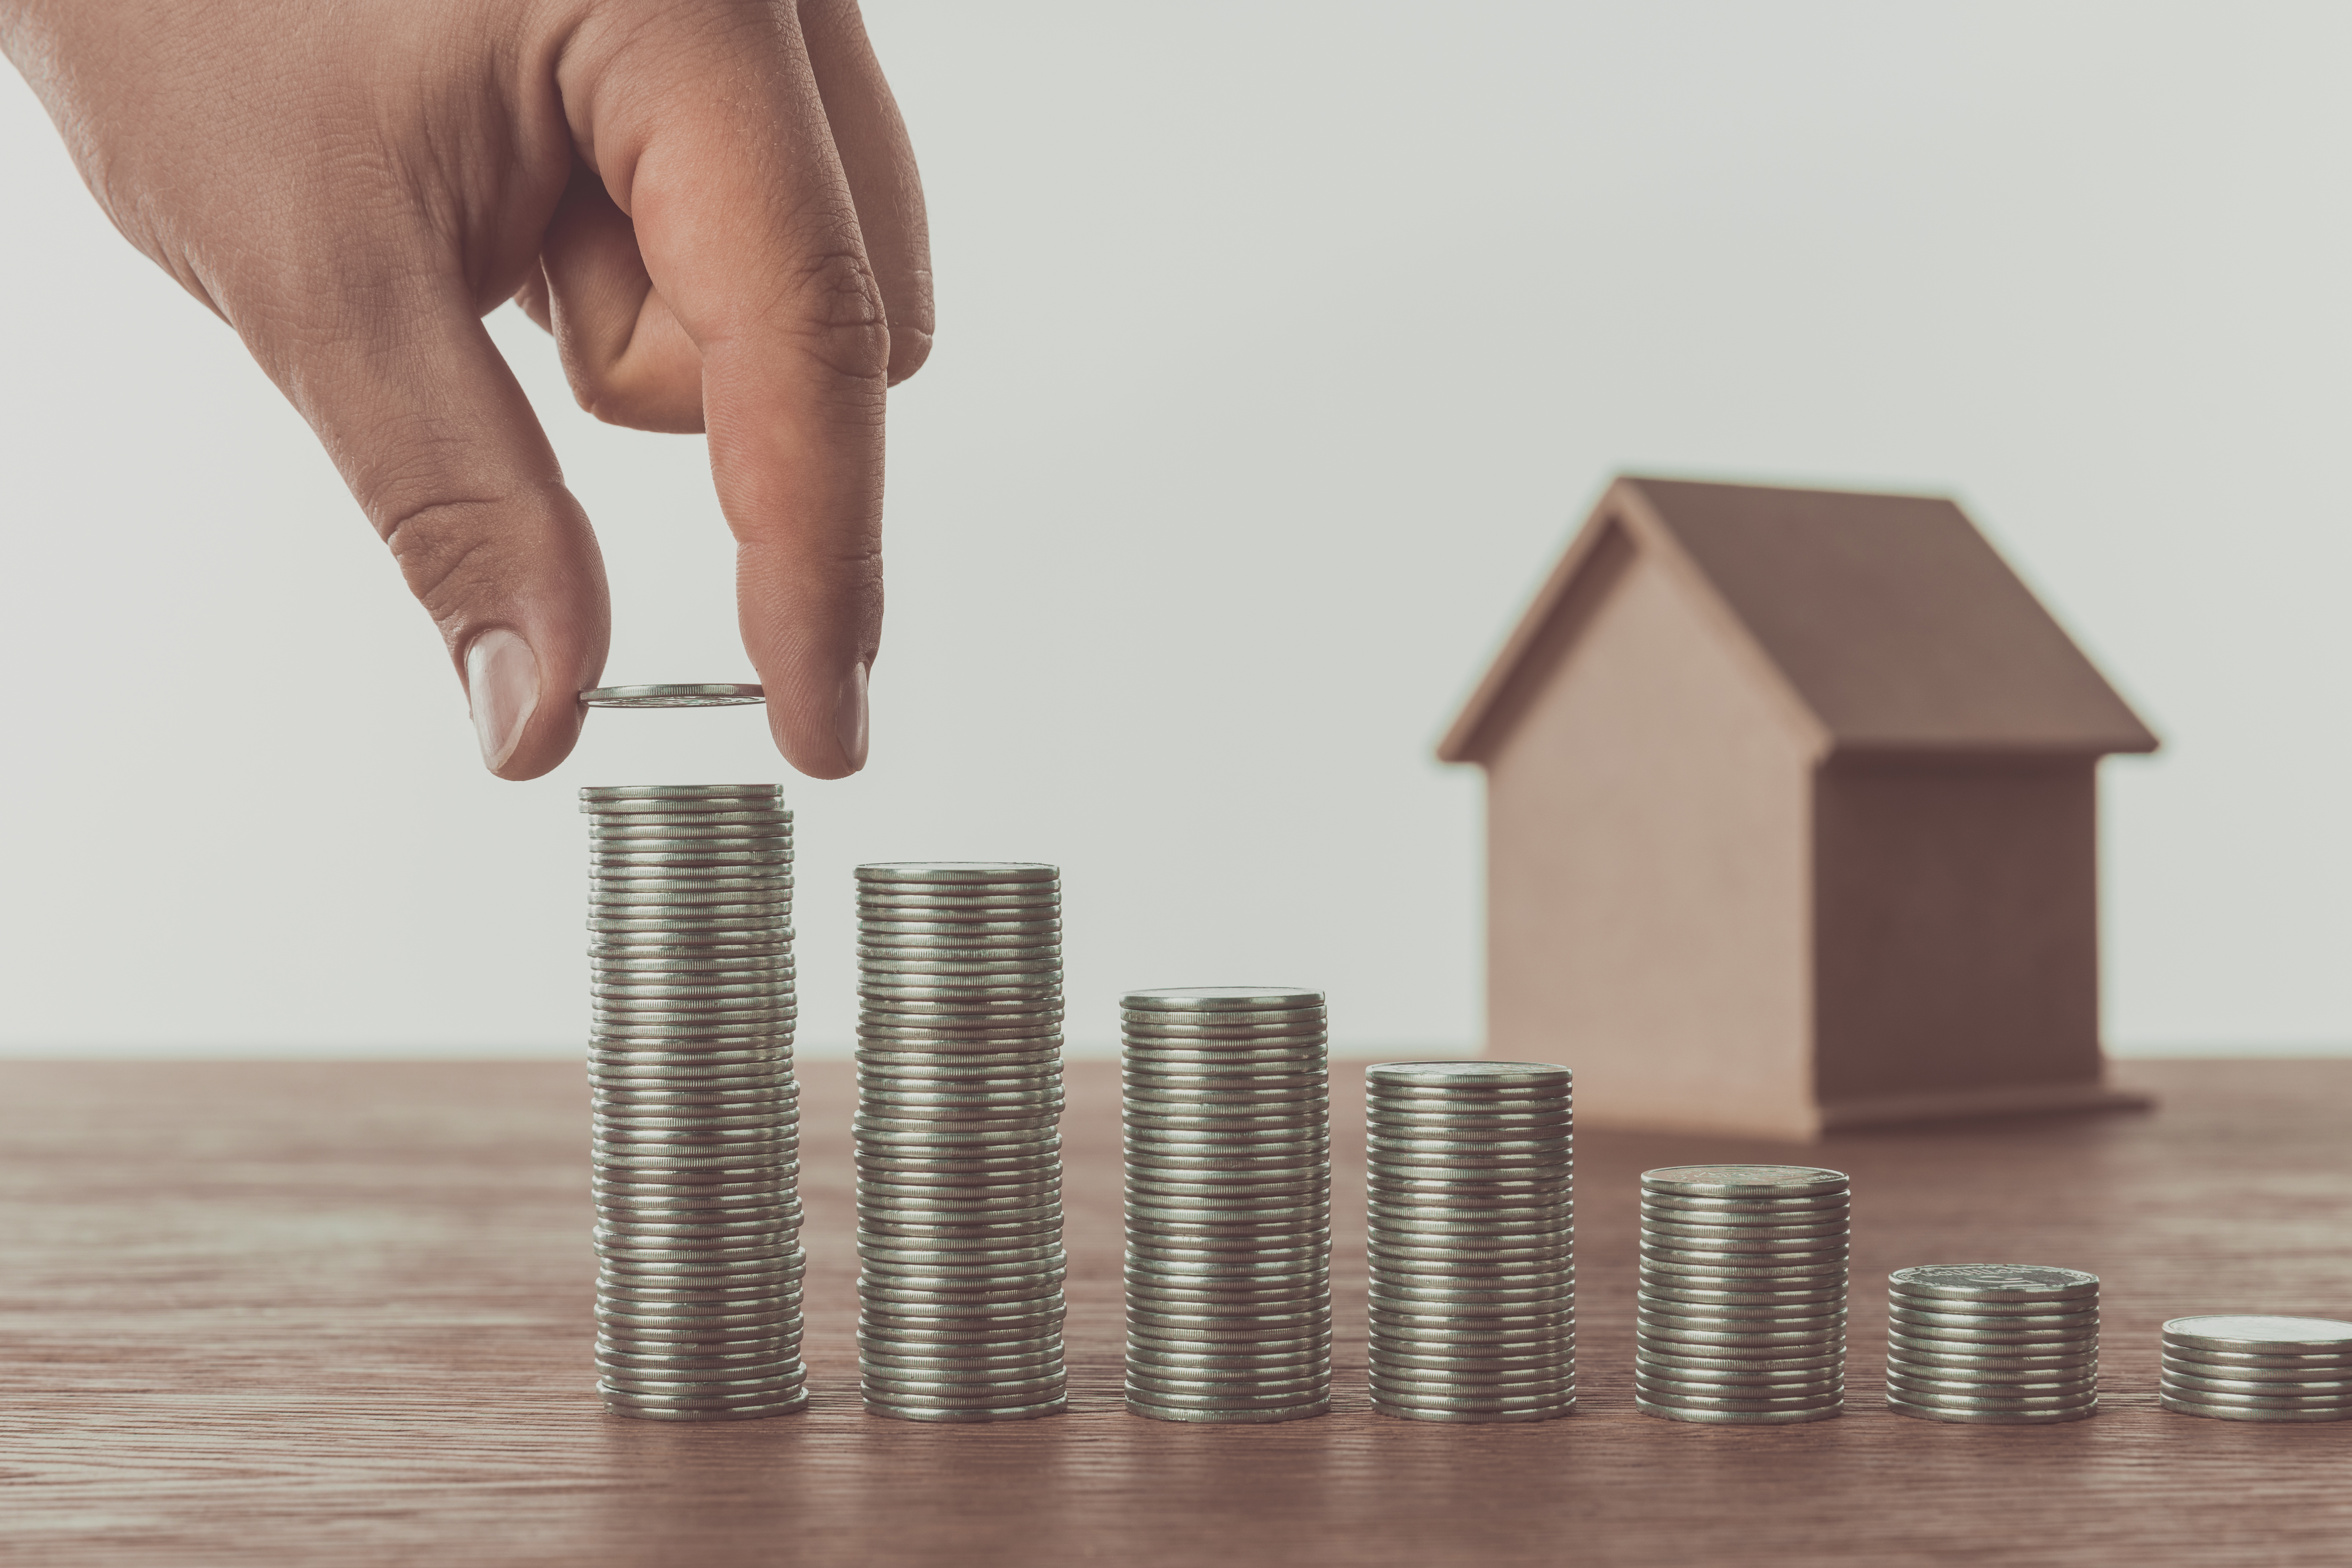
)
(1282, 345)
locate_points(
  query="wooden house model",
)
(1791, 817)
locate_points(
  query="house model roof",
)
(1890, 621)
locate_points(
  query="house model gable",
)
(1791, 817)
(1889, 619)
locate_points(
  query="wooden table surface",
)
(323, 1313)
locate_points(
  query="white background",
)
(1281, 346)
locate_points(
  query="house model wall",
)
(1792, 818)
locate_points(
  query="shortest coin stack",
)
(1996, 1344)
(1742, 1315)
(2245, 1368)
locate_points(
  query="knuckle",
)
(837, 308)
(442, 545)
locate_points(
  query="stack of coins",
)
(696, 1151)
(1228, 1119)
(2246, 1368)
(2008, 1345)
(1472, 1238)
(958, 1143)
(1742, 1315)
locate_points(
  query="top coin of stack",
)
(1741, 1313)
(1992, 1343)
(957, 1141)
(2249, 1368)
(696, 1153)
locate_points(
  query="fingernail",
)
(502, 688)
(849, 717)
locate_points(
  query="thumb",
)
(442, 452)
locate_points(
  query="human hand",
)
(711, 203)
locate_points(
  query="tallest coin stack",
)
(697, 1125)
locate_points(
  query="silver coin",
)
(1551, 1397)
(969, 1384)
(1466, 1377)
(1657, 1316)
(2187, 1406)
(1039, 951)
(2195, 1387)
(1930, 1366)
(1987, 1283)
(2266, 1335)
(1671, 1348)
(1706, 1232)
(1239, 1388)
(2256, 1401)
(1987, 1397)
(719, 695)
(926, 902)
(777, 1335)
(1993, 1417)
(615, 795)
(1539, 1204)
(1219, 1076)
(1993, 1317)
(2282, 1354)
(965, 1334)
(1409, 1235)
(1744, 1181)
(1913, 1342)
(1159, 1342)
(1219, 999)
(957, 872)
(1553, 1267)
(1726, 1277)
(884, 1060)
(1675, 1291)
(956, 895)
(1238, 1356)
(1736, 1417)
(1657, 1249)
(1157, 1412)
(631, 1393)
(1458, 1078)
(1659, 1359)
(1690, 1208)
(1993, 1322)
(1682, 1399)
(1991, 1343)
(2255, 1378)
(1144, 1402)
(1553, 1411)
(772, 865)
(618, 841)
(1305, 1047)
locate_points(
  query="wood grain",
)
(340, 1313)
